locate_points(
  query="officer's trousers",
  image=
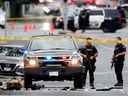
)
(89, 67)
(118, 70)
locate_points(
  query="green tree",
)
(1, 2)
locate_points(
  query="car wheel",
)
(78, 81)
(2, 26)
(27, 81)
(106, 30)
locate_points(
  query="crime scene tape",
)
(96, 40)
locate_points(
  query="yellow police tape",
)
(96, 40)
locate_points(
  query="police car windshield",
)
(96, 12)
(55, 43)
(10, 51)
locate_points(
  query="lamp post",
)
(65, 9)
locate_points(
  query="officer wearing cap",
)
(118, 60)
(89, 54)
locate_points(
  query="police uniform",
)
(119, 62)
(83, 20)
(89, 63)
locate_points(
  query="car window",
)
(10, 51)
(111, 13)
(96, 12)
(55, 43)
(3, 50)
(14, 52)
(126, 11)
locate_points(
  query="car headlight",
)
(21, 64)
(75, 60)
(31, 62)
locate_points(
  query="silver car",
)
(11, 59)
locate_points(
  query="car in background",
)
(11, 58)
(125, 7)
(96, 18)
(2, 18)
(51, 58)
(113, 20)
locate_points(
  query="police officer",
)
(122, 14)
(118, 61)
(89, 54)
(83, 20)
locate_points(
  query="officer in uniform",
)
(83, 20)
(118, 61)
(89, 54)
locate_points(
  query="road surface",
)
(104, 76)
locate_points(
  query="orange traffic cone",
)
(27, 27)
(52, 29)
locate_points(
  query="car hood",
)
(51, 53)
(10, 60)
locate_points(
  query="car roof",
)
(41, 36)
(110, 9)
(18, 46)
(124, 5)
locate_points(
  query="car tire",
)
(27, 81)
(2, 26)
(107, 30)
(78, 82)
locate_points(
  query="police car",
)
(113, 20)
(51, 58)
(96, 18)
(2, 18)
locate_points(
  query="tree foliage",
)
(1, 2)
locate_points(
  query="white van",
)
(2, 18)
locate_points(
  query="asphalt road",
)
(104, 76)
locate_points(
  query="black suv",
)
(51, 58)
(113, 20)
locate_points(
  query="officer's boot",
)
(92, 86)
(118, 86)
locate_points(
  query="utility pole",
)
(65, 9)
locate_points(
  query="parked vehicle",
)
(96, 18)
(2, 18)
(52, 58)
(113, 20)
(11, 58)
